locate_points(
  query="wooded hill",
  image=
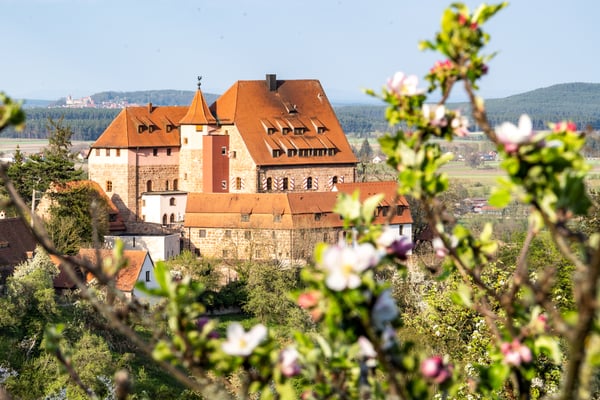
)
(578, 102)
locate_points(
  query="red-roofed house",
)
(17, 245)
(139, 268)
(256, 172)
(260, 136)
(282, 227)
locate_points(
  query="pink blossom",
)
(441, 66)
(515, 353)
(288, 361)
(435, 369)
(366, 348)
(391, 242)
(435, 115)
(439, 247)
(568, 126)
(403, 85)
(512, 136)
(459, 124)
(310, 301)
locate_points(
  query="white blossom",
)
(242, 343)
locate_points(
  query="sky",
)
(54, 48)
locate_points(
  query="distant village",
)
(88, 102)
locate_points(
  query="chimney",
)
(149, 108)
(271, 82)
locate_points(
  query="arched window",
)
(148, 186)
(175, 183)
(285, 184)
(309, 183)
(172, 218)
(164, 219)
(172, 201)
(269, 184)
(334, 180)
(109, 186)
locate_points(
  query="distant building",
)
(280, 227)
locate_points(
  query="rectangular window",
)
(118, 152)
(202, 233)
(223, 151)
(155, 152)
(108, 152)
(225, 253)
(227, 233)
(169, 152)
(245, 217)
(97, 152)
(248, 235)
(224, 185)
(147, 276)
(185, 140)
(318, 216)
(277, 218)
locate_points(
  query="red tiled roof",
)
(301, 104)
(127, 276)
(154, 122)
(15, 241)
(297, 210)
(198, 112)
(63, 280)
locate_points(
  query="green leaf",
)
(369, 206)
(549, 346)
(324, 346)
(462, 296)
(500, 197)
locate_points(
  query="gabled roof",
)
(126, 277)
(296, 210)
(63, 280)
(294, 115)
(148, 126)
(15, 241)
(198, 112)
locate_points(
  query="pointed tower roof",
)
(198, 113)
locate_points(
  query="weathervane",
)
(199, 81)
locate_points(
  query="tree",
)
(366, 152)
(55, 164)
(81, 207)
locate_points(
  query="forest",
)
(577, 102)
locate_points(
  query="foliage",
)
(54, 165)
(497, 322)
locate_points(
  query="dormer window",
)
(151, 128)
(169, 128)
(271, 131)
(298, 131)
(141, 128)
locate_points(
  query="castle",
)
(262, 164)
